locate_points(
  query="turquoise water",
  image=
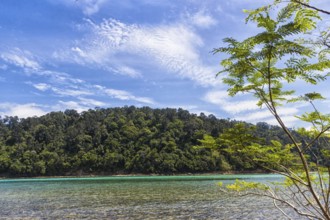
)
(135, 197)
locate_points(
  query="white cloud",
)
(289, 121)
(42, 86)
(240, 106)
(221, 99)
(82, 104)
(70, 105)
(21, 58)
(21, 110)
(288, 117)
(247, 109)
(203, 20)
(255, 116)
(32, 109)
(120, 94)
(266, 115)
(287, 110)
(174, 47)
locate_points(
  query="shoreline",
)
(138, 175)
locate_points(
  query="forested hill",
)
(116, 140)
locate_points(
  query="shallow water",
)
(155, 197)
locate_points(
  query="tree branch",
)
(311, 7)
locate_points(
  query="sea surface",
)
(132, 197)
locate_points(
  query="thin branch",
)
(273, 196)
(328, 192)
(321, 185)
(318, 114)
(311, 7)
(317, 137)
(281, 210)
(303, 193)
(300, 152)
(298, 201)
(288, 173)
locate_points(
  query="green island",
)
(127, 140)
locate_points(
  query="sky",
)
(85, 54)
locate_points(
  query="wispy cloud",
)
(72, 92)
(21, 58)
(91, 102)
(63, 84)
(82, 89)
(128, 71)
(69, 88)
(123, 95)
(174, 47)
(31, 65)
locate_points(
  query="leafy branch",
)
(255, 65)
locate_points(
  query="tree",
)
(260, 65)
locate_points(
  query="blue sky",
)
(82, 54)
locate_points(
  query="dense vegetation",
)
(118, 140)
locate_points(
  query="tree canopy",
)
(121, 140)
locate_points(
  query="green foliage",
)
(245, 148)
(127, 140)
(240, 185)
(208, 142)
(261, 65)
(236, 143)
(252, 64)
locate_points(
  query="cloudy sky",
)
(82, 54)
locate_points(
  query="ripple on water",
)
(128, 199)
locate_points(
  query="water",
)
(155, 197)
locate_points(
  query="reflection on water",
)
(196, 197)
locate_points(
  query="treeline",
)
(116, 140)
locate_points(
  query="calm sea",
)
(142, 197)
